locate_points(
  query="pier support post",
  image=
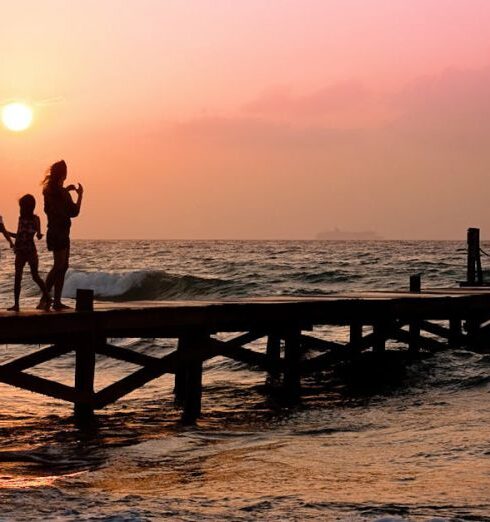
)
(84, 377)
(180, 373)
(472, 327)
(379, 337)
(455, 332)
(85, 300)
(414, 336)
(292, 360)
(415, 283)
(188, 377)
(85, 361)
(273, 352)
(355, 337)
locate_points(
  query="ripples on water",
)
(415, 450)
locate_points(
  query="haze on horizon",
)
(239, 120)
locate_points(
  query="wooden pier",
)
(430, 320)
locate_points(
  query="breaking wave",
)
(149, 285)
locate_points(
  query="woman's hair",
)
(27, 205)
(55, 174)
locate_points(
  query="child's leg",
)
(34, 265)
(19, 269)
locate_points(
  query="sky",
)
(219, 119)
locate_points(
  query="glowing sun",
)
(17, 116)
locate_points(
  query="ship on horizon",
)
(345, 235)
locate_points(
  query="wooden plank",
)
(38, 357)
(40, 385)
(165, 321)
(425, 342)
(311, 342)
(245, 338)
(124, 354)
(435, 329)
(325, 360)
(134, 381)
(238, 353)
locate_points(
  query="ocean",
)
(416, 449)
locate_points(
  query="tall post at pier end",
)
(474, 269)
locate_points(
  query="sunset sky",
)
(253, 119)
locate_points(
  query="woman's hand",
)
(79, 190)
(71, 187)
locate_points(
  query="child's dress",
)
(25, 248)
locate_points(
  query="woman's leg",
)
(61, 263)
(56, 276)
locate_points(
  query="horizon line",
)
(275, 239)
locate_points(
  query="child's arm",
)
(8, 236)
(38, 228)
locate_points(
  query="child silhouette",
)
(25, 249)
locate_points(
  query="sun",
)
(17, 116)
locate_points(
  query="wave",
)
(150, 285)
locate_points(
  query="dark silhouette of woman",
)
(59, 208)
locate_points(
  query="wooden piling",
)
(455, 332)
(472, 327)
(84, 300)
(474, 269)
(379, 337)
(180, 373)
(414, 336)
(193, 391)
(85, 360)
(273, 352)
(292, 360)
(84, 377)
(415, 283)
(189, 380)
(355, 336)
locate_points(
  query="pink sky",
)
(256, 119)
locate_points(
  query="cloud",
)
(454, 103)
(331, 98)
(253, 131)
(346, 104)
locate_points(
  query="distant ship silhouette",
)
(344, 235)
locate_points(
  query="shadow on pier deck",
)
(432, 320)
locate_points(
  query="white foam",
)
(104, 284)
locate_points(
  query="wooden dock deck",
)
(430, 320)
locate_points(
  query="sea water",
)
(416, 449)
